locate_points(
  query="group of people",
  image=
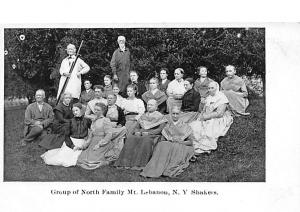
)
(157, 128)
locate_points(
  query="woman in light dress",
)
(213, 122)
(105, 143)
(76, 135)
(176, 90)
(235, 90)
(133, 109)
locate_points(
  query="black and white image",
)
(135, 104)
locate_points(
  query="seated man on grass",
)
(38, 116)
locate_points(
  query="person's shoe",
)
(23, 142)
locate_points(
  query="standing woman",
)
(201, 85)
(176, 90)
(75, 139)
(133, 109)
(120, 64)
(103, 148)
(88, 94)
(63, 115)
(74, 84)
(235, 90)
(155, 93)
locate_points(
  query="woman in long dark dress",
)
(63, 115)
(139, 147)
(171, 155)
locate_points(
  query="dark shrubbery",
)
(33, 56)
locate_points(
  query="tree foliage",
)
(33, 56)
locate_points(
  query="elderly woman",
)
(63, 115)
(139, 147)
(155, 93)
(171, 155)
(104, 146)
(213, 122)
(201, 85)
(191, 98)
(114, 112)
(176, 90)
(236, 92)
(74, 141)
(133, 109)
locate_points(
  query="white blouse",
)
(176, 88)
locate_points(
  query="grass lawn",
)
(240, 156)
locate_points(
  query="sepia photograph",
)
(135, 104)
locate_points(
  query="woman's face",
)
(87, 85)
(212, 89)
(111, 99)
(67, 99)
(130, 92)
(107, 81)
(116, 90)
(98, 93)
(98, 110)
(230, 71)
(187, 85)
(133, 77)
(76, 111)
(163, 74)
(178, 75)
(175, 114)
(151, 106)
(203, 72)
(152, 84)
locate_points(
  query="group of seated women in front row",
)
(159, 142)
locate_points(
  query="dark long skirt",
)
(136, 152)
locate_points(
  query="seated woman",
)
(191, 98)
(175, 90)
(140, 86)
(107, 86)
(133, 109)
(90, 111)
(155, 93)
(138, 147)
(88, 94)
(236, 92)
(75, 140)
(214, 121)
(104, 146)
(171, 155)
(63, 115)
(164, 82)
(114, 112)
(201, 85)
(120, 100)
